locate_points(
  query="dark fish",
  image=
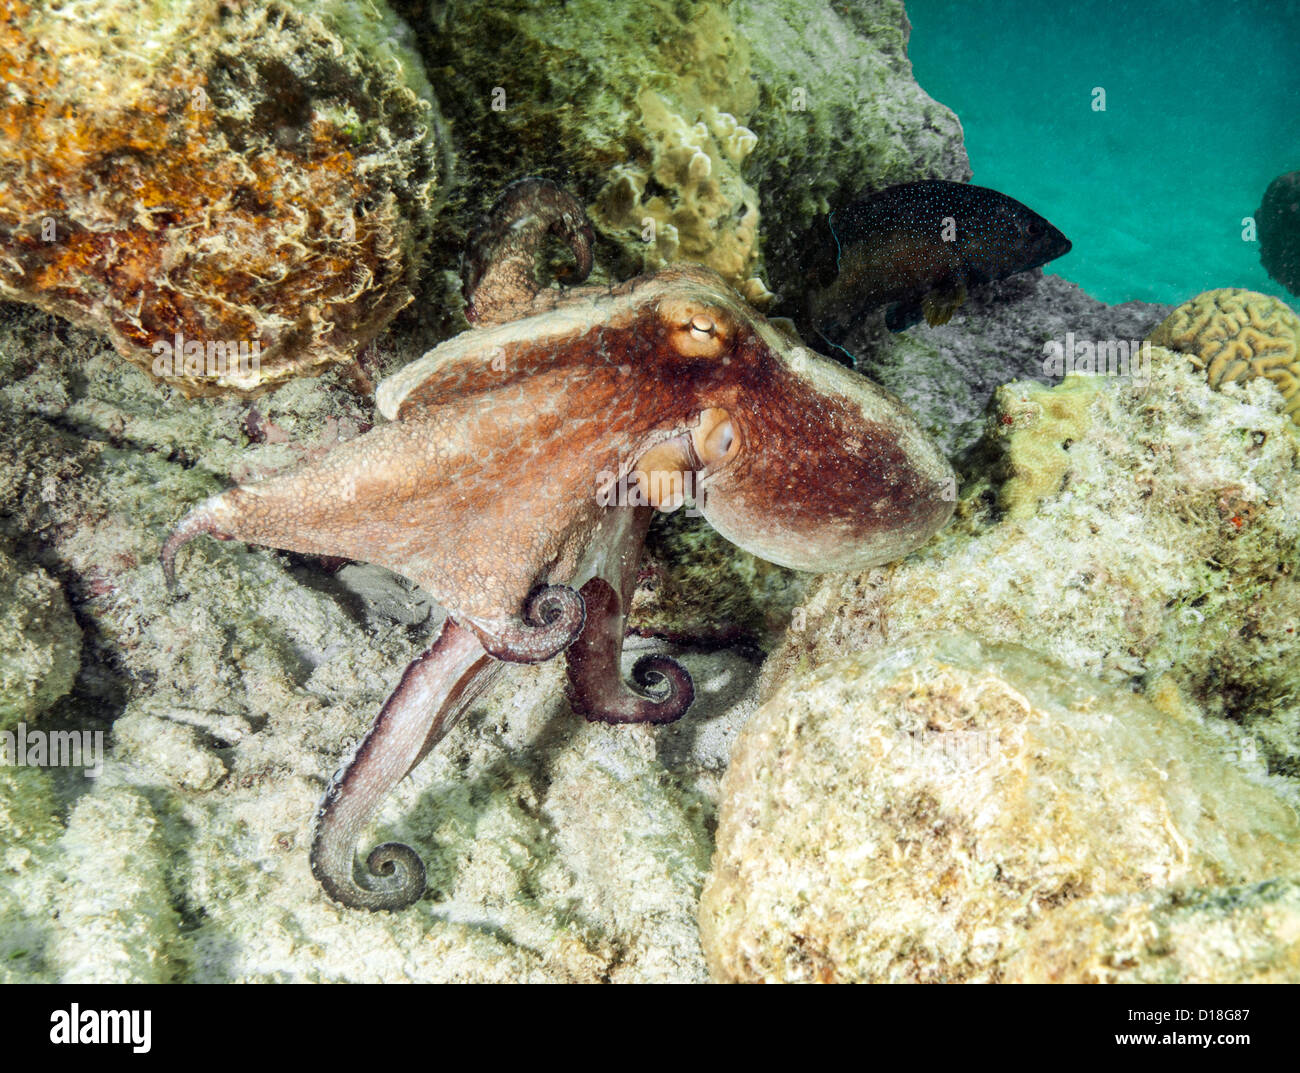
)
(916, 248)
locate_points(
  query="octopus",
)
(519, 468)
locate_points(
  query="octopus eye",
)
(661, 474)
(693, 328)
(715, 440)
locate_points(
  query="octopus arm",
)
(434, 692)
(596, 689)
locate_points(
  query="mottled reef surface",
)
(1062, 741)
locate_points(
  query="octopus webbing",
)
(519, 469)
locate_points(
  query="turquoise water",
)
(1202, 112)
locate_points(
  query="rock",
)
(1144, 532)
(385, 597)
(115, 920)
(698, 587)
(234, 196)
(839, 113)
(168, 750)
(923, 813)
(1278, 218)
(1215, 935)
(40, 644)
(1005, 331)
(29, 827)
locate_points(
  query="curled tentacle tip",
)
(578, 234)
(553, 617)
(202, 519)
(667, 683)
(180, 536)
(497, 268)
(551, 606)
(664, 691)
(394, 878)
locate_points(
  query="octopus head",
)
(794, 457)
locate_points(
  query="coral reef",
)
(1162, 554)
(1234, 335)
(234, 194)
(1278, 221)
(711, 215)
(923, 813)
(1143, 535)
(681, 127)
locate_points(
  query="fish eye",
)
(1036, 228)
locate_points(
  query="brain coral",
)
(1234, 335)
(210, 183)
(1279, 230)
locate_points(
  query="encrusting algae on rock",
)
(1036, 426)
(923, 812)
(234, 194)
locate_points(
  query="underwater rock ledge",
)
(924, 812)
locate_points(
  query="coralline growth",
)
(244, 179)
